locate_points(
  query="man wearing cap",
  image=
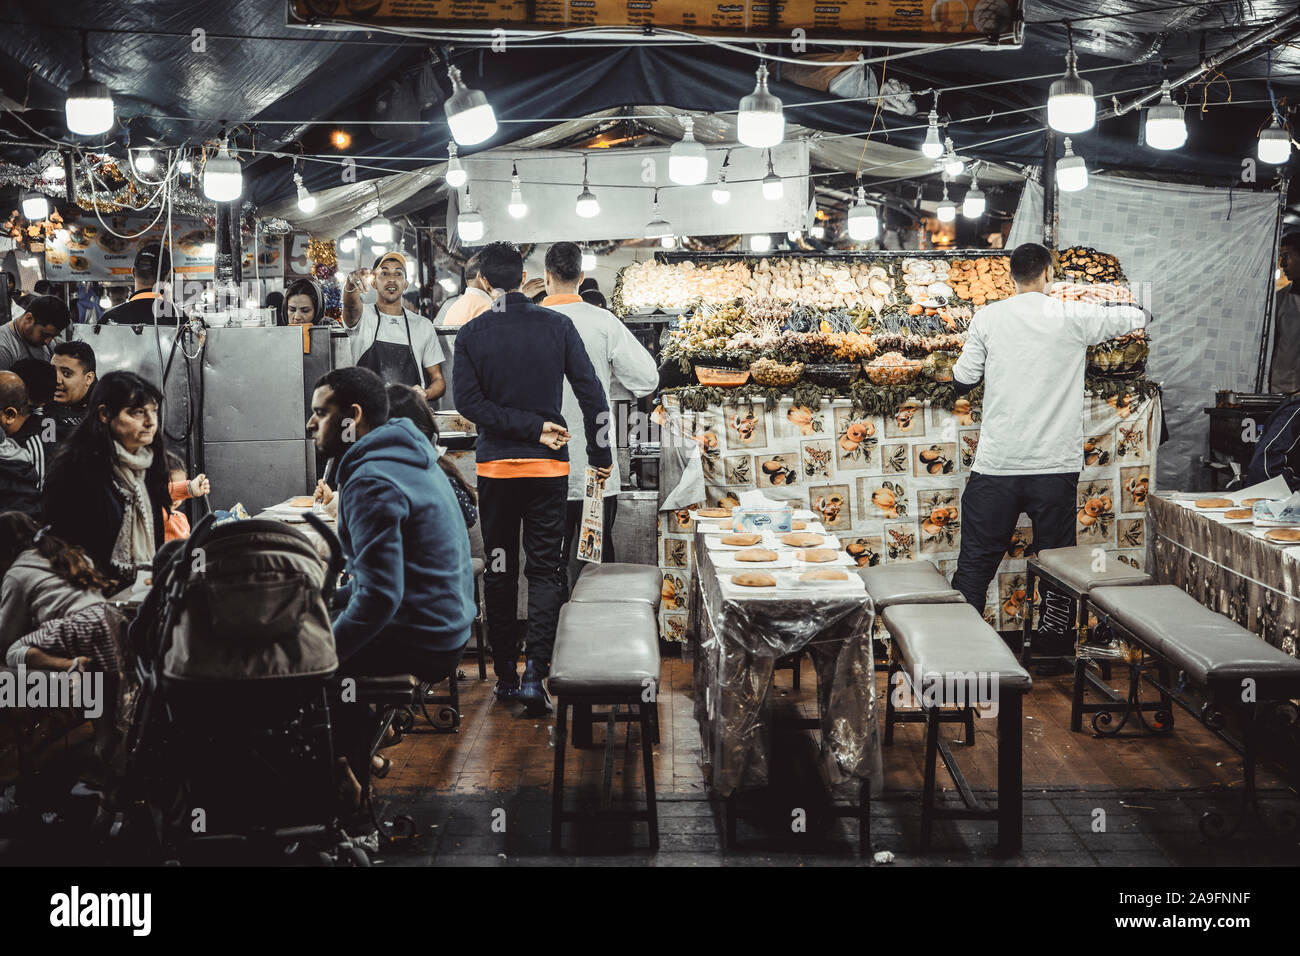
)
(1284, 370)
(29, 335)
(150, 303)
(398, 345)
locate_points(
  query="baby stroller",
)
(229, 751)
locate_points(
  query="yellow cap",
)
(395, 256)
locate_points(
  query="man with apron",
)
(398, 345)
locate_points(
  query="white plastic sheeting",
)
(1202, 259)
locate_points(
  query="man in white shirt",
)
(1031, 352)
(615, 354)
(398, 345)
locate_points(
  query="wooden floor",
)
(1157, 784)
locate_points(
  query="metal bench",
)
(601, 583)
(606, 654)
(951, 645)
(1237, 671)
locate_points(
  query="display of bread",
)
(1212, 503)
(756, 555)
(713, 513)
(798, 525)
(1238, 514)
(1247, 502)
(816, 555)
(741, 540)
(1284, 535)
(824, 574)
(754, 579)
(302, 501)
(801, 539)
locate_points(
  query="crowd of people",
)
(91, 491)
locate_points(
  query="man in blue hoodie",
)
(409, 598)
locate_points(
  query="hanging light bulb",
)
(668, 242)
(517, 207)
(89, 106)
(773, 185)
(469, 224)
(378, 250)
(1071, 170)
(972, 206)
(348, 244)
(379, 229)
(185, 166)
(1166, 128)
(36, 208)
(760, 242)
(588, 260)
(223, 179)
(143, 161)
(1070, 106)
(469, 114)
(1274, 144)
(657, 227)
(306, 201)
(54, 172)
(688, 163)
(456, 175)
(449, 285)
(932, 148)
(947, 211)
(817, 231)
(721, 194)
(863, 225)
(760, 122)
(587, 207)
(952, 163)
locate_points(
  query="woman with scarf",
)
(106, 490)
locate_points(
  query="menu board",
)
(926, 21)
(96, 251)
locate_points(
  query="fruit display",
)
(1099, 292)
(1088, 265)
(937, 366)
(833, 374)
(980, 281)
(1126, 355)
(892, 368)
(918, 344)
(925, 281)
(644, 286)
(772, 374)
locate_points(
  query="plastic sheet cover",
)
(737, 645)
(1227, 569)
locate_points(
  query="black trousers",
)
(572, 520)
(537, 507)
(990, 507)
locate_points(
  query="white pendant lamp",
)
(760, 122)
(306, 201)
(143, 161)
(469, 114)
(380, 230)
(223, 178)
(657, 227)
(1166, 128)
(89, 106)
(1070, 106)
(760, 242)
(973, 205)
(36, 208)
(1071, 171)
(863, 224)
(932, 148)
(668, 242)
(587, 207)
(947, 210)
(517, 207)
(185, 166)
(952, 163)
(469, 224)
(1274, 144)
(688, 163)
(773, 185)
(456, 175)
(721, 194)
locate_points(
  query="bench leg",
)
(889, 701)
(931, 758)
(1010, 773)
(1027, 632)
(582, 725)
(1076, 700)
(557, 783)
(654, 721)
(648, 762)
(798, 657)
(1164, 718)
(969, 721)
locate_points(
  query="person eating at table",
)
(398, 345)
(1030, 350)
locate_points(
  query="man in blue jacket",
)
(1276, 455)
(511, 363)
(409, 598)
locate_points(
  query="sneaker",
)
(532, 694)
(506, 692)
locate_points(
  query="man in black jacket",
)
(1276, 453)
(511, 363)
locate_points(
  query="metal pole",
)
(1049, 189)
(1265, 352)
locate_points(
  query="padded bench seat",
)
(605, 649)
(1209, 647)
(952, 639)
(605, 583)
(908, 582)
(1074, 567)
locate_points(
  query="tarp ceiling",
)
(254, 70)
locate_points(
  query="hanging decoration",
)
(325, 263)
